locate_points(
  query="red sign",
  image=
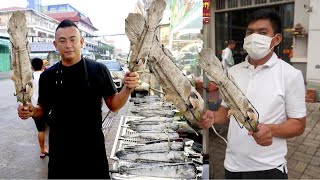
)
(206, 11)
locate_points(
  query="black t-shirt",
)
(74, 99)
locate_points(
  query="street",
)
(19, 149)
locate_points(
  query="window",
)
(260, 1)
(232, 3)
(220, 4)
(245, 2)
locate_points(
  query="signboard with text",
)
(206, 11)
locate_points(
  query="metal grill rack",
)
(120, 143)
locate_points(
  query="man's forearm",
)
(37, 112)
(119, 100)
(288, 129)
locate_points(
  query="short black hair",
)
(231, 42)
(66, 23)
(37, 64)
(269, 14)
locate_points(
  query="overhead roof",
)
(74, 16)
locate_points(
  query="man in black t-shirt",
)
(70, 92)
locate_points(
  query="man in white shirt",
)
(227, 57)
(38, 67)
(277, 91)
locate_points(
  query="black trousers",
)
(267, 174)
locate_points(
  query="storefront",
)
(4, 54)
(300, 31)
(231, 18)
(185, 41)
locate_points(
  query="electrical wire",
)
(219, 135)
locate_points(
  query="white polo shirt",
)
(277, 91)
(227, 58)
(35, 95)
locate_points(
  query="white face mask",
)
(257, 46)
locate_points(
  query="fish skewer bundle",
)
(240, 106)
(146, 49)
(22, 72)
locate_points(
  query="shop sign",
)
(206, 11)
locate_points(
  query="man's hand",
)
(131, 80)
(207, 119)
(264, 136)
(26, 111)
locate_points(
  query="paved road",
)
(19, 150)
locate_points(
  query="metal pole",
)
(205, 132)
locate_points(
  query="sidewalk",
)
(303, 151)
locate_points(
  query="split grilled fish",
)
(22, 72)
(239, 105)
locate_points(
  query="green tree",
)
(103, 49)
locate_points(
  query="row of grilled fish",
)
(152, 147)
(168, 159)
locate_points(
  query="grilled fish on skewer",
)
(146, 100)
(161, 146)
(154, 135)
(239, 105)
(151, 156)
(154, 127)
(150, 113)
(154, 106)
(152, 119)
(142, 32)
(22, 72)
(172, 170)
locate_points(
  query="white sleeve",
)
(295, 96)
(225, 54)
